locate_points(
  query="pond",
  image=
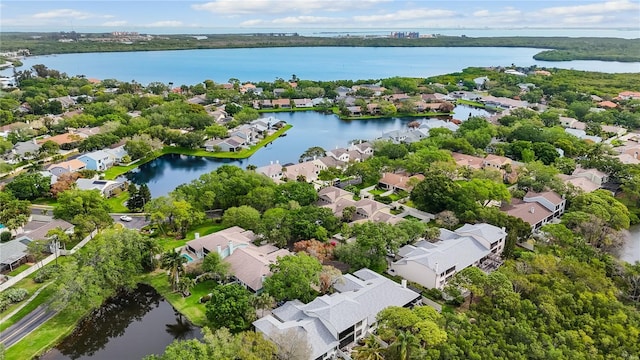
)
(128, 326)
(309, 129)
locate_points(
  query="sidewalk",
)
(15, 311)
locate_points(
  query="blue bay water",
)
(190, 67)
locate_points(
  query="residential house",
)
(308, 170)
(364, 148)
(377, 89)
(469, 161)
(249, 264)
(503, 102)
(398, 182)
(65, 101)
(343, 91)
(87, 131)
(437, 123)
(281, 103)
(245, 87)
(615, 130)
(332, 322)
(272, 171)
(435, 98)
(98, 160)
(581, 134)
(303, 103)
(25, 149)
(354, 110)
(66, 167)
(14, 253)
(514, 72)
(107, 188)
(198, 99)
(480, 82)
(337, 200)
(231, 144)
(628, 95)
(340, 154)
(433, 264)
(398, 97)
(373, 109)
(277, 92)
(62, 139)
(537, 209)
(116, 153)
(629, 153)
(496, 161)
(607, 104)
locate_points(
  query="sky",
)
(293, 15)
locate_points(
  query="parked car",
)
(125, 218)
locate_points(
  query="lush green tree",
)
(435, 193)
(214, 265)
(230, 307)
(85, 208)
(244, 216)
(29, 186)
(13, 213)
(301, 192)
(294, 277)
(601, 204)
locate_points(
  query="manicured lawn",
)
(377, 191)
(396, 197)
(117, 203)
(45, 201)
(409, 203)
(115, 171)
(471, 103)
(409, 217)
(20, 269)
(189, 306)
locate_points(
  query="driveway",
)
(137, 221)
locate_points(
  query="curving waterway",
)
(309, 129)
(128, 326)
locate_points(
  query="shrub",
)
(433, 294)
(205, 298)
(5, 236)
(383, 199)
(15, 295)
(4, 304)
(45, 274)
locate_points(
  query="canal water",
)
(129, 326)
(310, 128)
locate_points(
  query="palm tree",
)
(263, 302)
(172, 261)
(185, 285)
(405, 342)
(371, 350)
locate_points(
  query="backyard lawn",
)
(117, 204)
(189, 306)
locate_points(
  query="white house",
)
(433, 264)
(333, 322)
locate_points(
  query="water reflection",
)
(128, 326)
(310, 128)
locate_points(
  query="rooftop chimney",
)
(197, 235)
(404, 283)
(532, 210)
(219, 250)
(230, 247)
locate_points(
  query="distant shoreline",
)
(559, 48)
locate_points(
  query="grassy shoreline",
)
(116, 171)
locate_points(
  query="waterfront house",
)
(354, 110)
(433, 264)
(14, 253)
(281, 103)
(332, 322)
(303, 103)
(232, 144)
(67, 167)
(107, 188)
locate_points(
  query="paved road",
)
(26, 325)
(137, 221)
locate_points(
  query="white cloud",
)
(597, 8)
(63, 13)
(114, 23)
(583, 20)
(165, 23)
(253, 22)
(250, 7)
(404, 15)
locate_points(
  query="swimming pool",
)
(186, 256)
